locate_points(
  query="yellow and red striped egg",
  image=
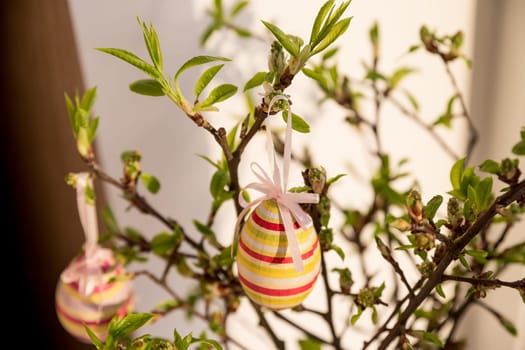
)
(265, 266)
(109, 298)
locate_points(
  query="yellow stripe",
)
(88, 311)
(106, 296)
(276, 270)
(276, 303)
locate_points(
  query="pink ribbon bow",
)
(287, 202)
(87, 271)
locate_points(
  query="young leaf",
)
(490, 166)
(130, 323)
(298, 123)
(92, 129)
(398, 75)
(318, 77)
(335, 33)
(412, 100)
(316, 28)
(94, 339)
(439, 290)
(88, 99)
(209, 342)
(148, 87)
(205, 79)
(331, 20)
(309, 344)
(133, 60)
(238, 8)
(150, 182)
(284, 39)
(163, 243)
(484, 193)
(455, 174)
(338, 250)
(356, 317)
(198, 60)
(254, 81)
(432, 338)
(432, 206)
(218, 94)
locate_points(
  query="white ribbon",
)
(287, 202)
(88, 269)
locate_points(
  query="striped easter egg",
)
(74, 309)
(265, 266)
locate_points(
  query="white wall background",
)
(170, 143)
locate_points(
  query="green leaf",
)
(318, 22)
(208, 32)
(455, 174)
(197, 61)
(218, 183)
(92, 129)
(519, 148)
(298, 123)
(317, 76)
(218, 94)
(150, 182)
(148, 87)
(432, 206)
(133, 60)
(398, 75)
(129, 323)
(477, 253)
(330, 21)
(356, 317)
(334, 179)
(508, 325)
(88, 99)
(330, 53)
(210, 342)
(254, 81)
(309, 344)
(484, 193)
(374, 315)
(335, 33)
(412, 100)
(285, 40)
(207, 232)
(490, 166)
(151, 40)
(110, 220)
(167, 305)
(439, 290)
(94, 339)
(338, 250)
(432, 338)
(163, 243)
(205, 79)
(238, 8)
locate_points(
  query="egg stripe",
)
(113, 292)
(277, 303)
(85, 310)
(275, 259)
(272, 226)
(281, 270)
(72, 319)
(275, 247)
(283, 281)
(278, 292)
(268, 237)
(79, 332)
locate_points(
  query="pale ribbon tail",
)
(292, 239)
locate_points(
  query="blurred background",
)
(50, 50)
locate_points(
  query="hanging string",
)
(276, 189)
(87, 270)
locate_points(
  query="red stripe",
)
(80, 322)
(270, 225)
(276, 259)
(278, 292)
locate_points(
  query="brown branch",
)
(516, 192)
(264, 323)
(416, 119)
(485, 282)
(139, 201)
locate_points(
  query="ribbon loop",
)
(87, 270)
(276, 188)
